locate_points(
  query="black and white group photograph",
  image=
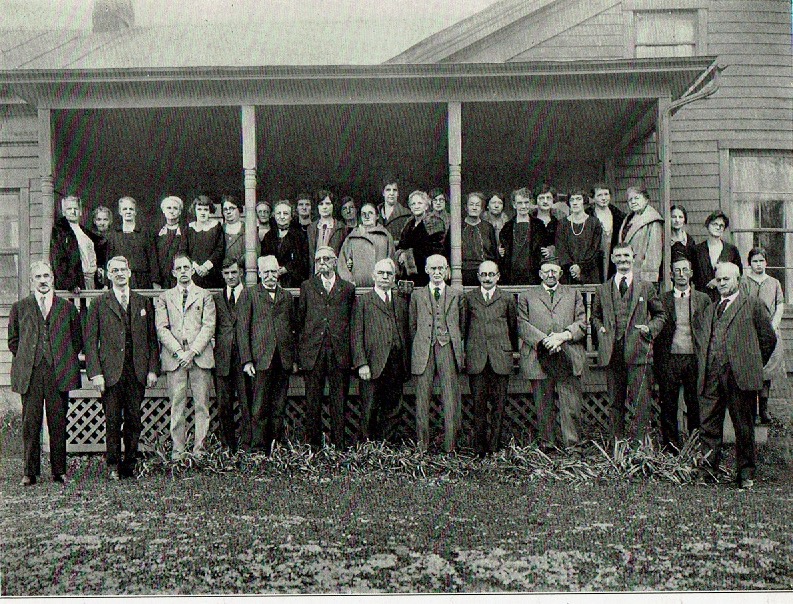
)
(483, 299)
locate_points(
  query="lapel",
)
(192, 296)
(633, 297)
(609, 304)
(380, 304)
(112, 302)
(447, 300)
(264, 295)
(732, 310)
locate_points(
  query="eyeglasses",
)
(325, 259)
(115, 271)
(269, 272)
(436, 269)
(491, 274)
(384, 273)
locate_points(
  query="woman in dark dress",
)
(289, 245)
(518, 247)
(233, 229)
(708, 253)
(478, 239)
(101, 219)
(206, 244)
(578, 243)
(128, 239)
(73, 249)
(416, 244)
(545, 223)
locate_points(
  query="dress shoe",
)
(28, 481)
(114, 475)
(746, 484)
(60, 478)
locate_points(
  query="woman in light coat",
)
(364, 247)
(643, 230)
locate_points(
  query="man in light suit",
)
(185, 318)
(231, 384)
(677, 348)
(379, 331)
(266, 333)
(45, 338)
(552, 325)
(122, 360)
(741, 340)
(437, 325)
(491, 326)
(627, 316)
(324, 316)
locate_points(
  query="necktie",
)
(437, 293)
(721, 308)
(231, 299)
(184, 299)
(388, 298)
(124, 302)
(623, 287)
(43, 306)
(326, 283)
(551, 293)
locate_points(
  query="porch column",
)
(46, 179)
(454, 111)
(249, 170)
(665, 177)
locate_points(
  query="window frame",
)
(630, 8)
(22, 192)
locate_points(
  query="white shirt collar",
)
(628, 279)
(730, 299)
(550, 289)
(441, 287)
(48, 297)
(686, 293)
(487, 294)
(164, 230)
(237, 291)
(382, 293)
(121, 292)
(331, 280)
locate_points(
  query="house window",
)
(10, 286)
(761, 185)
(666, 33)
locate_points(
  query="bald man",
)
(741, 340)
(491, 325)
(552, 325)
(379, 337)
(437, 327)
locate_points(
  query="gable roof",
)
(436, 47)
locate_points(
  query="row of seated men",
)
(580, 233)
(261, 337)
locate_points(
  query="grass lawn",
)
(339, 533)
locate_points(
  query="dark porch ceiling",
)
(150, 153)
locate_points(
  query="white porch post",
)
(47, 181)
(249, 170)
(454, 110)
(665, 177)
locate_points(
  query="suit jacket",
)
(421, 326)
(195, 327)
(750, 341)
(538, 316)
(644, 308)
(370, 325)
(337, 235)
(698, 319)
(226, 318)
(322, 313)
(491, 329)
(66, 342)
(105, 340)
(264, 325)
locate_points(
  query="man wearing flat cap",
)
(551, 327)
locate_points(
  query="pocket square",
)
(641, 299)
(142, 312)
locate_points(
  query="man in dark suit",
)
(379, 330)
(266, 336)
(491, 325)
(437, 325)
(676, 349)
(552, 324)
(45, 338)
(741, 340)
(288, 243)
(121, 356)
(231, 383)
(325, 313)
(627, 315)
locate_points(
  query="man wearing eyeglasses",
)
(324, 316)
(437, 326)
(379, 331)
(492, 336)
(552, 324)
(266, 334)
(185, 318)
(121, 355)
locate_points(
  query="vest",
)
(393, 331)
(717, 357)
(682, 341)
(43, 346)
(621, 310)
(440, 331)
(128, 352)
